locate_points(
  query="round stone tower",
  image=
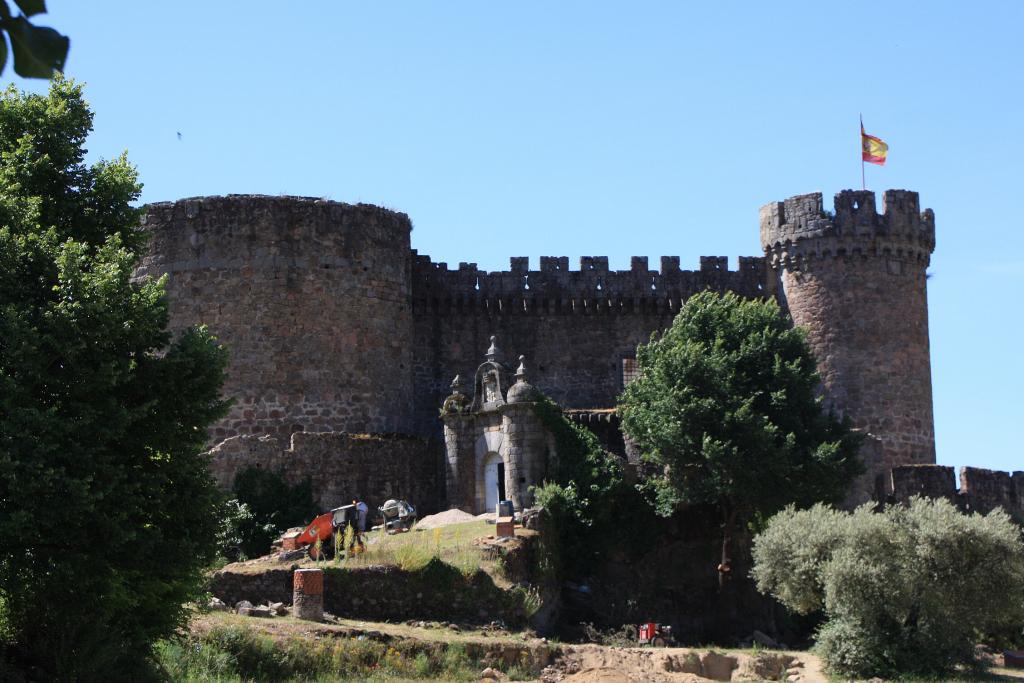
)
(311, 298)
(855, 280)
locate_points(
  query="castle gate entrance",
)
(494, 481)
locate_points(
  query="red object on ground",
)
(647, 631)
(322, 527)
(1013, 659)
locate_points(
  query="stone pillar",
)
(460, 460)
(308, 594)
(523, 450)
(512, 454)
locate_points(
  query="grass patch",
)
(237, 653)
(452, 544)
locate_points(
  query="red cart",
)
(655, 634)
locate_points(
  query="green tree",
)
(727, 405)
(587, 500)
(39, 51)
(107, 511)
(909, 590)
(273, 507)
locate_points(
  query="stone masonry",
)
(497, 424)
(577, 326)
(980, 490)
(855, 280)
(311, 297)
(341, 466)
(336, 325)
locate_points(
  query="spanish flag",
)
(873, 150)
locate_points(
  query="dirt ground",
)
(571, 663)
(568, 663)
(598, 664)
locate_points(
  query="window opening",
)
(630, 371)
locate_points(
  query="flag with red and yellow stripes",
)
(873, 150)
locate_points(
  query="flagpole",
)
(863, 185)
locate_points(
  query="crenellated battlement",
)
(980, 490)
(267, 232)
(800, 229)
(593, 288)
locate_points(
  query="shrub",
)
(236, 519)
(589, 505)
(243, 654)
(273, 506)
(907, 590)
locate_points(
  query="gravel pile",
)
(445, 518)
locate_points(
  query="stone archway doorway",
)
(494, 481)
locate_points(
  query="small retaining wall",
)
(437, 592)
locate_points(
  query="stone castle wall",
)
(607, 427)
(855, 280)
(980, 490)
(335, 324)
(310, 296)
(574, 326)
(342, 466)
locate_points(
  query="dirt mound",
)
(614, 675)
(598, 664)
(445, 518)
(603, 675)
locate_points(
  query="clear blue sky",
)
(597, 128)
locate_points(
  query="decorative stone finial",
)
(458, 401)
(494, 353)
(522, 391)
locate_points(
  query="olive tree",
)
(907, 590)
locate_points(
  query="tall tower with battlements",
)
(855, 280)
(312, 299)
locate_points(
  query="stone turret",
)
(856, 281)
(310, 296)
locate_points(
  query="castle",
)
(337, 327)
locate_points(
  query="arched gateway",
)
(495, 445)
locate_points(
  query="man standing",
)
(362, 510)
(359, 527)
